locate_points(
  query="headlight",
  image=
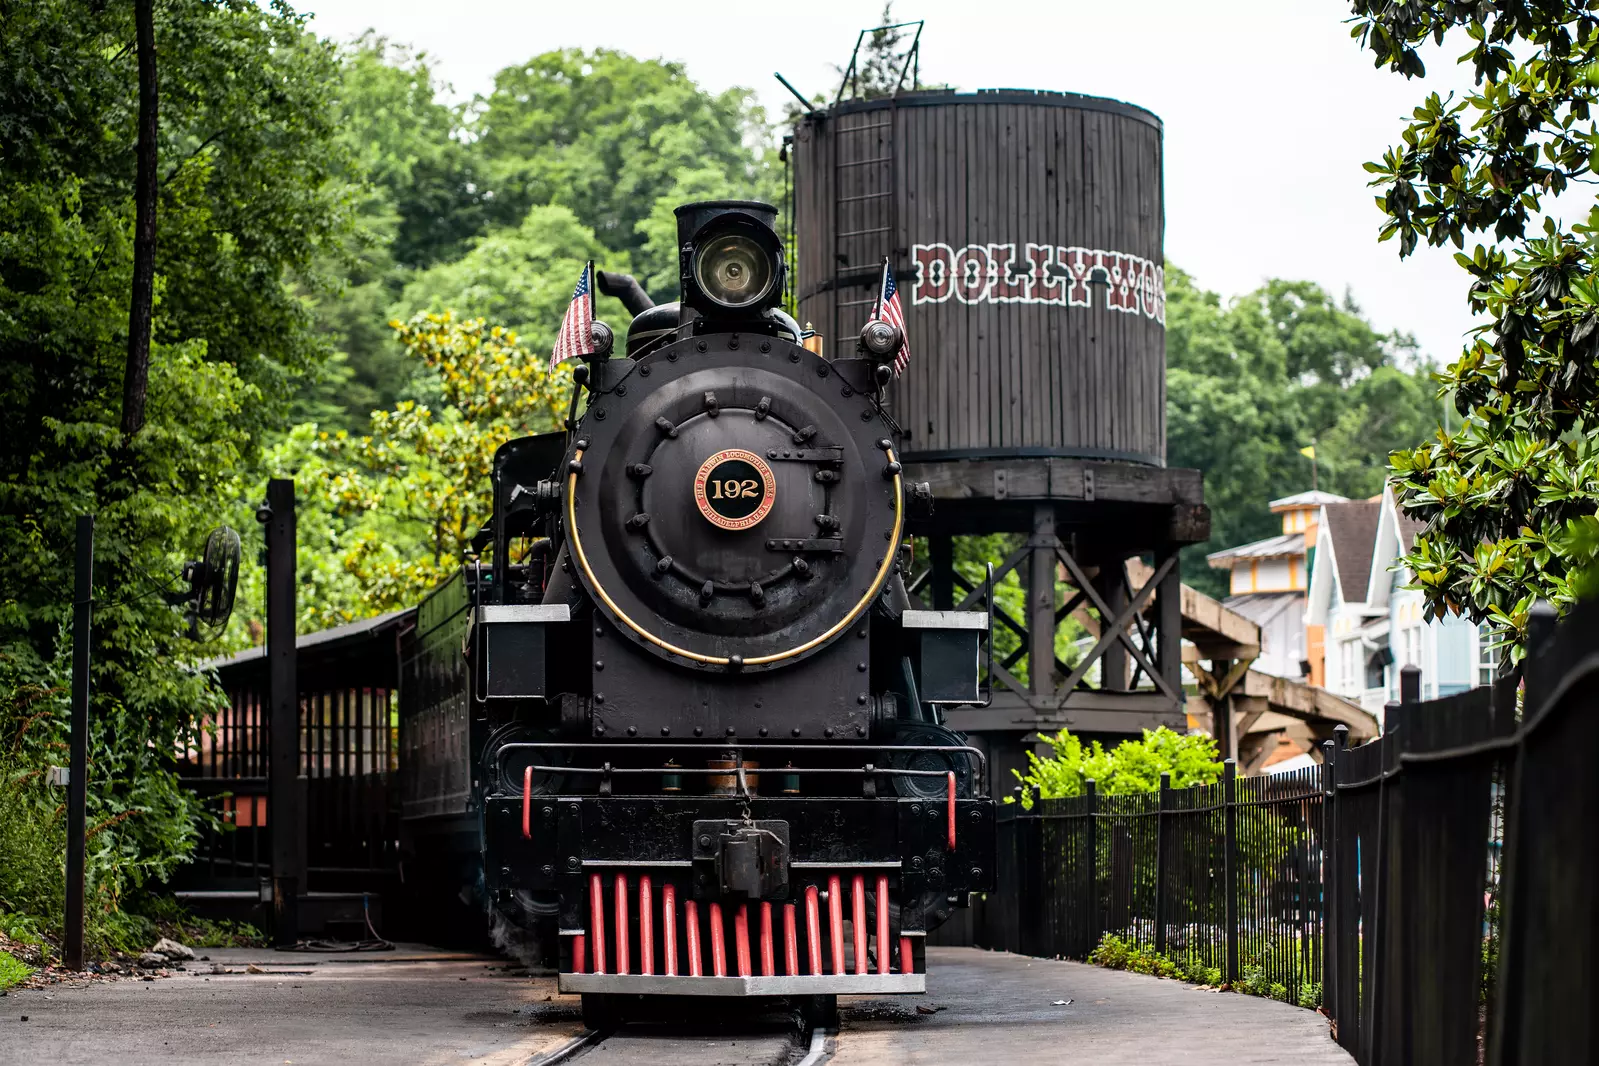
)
(880, 338)
(734, 270)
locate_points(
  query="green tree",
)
(247, 201)
(385, 516)
(1251, 382)
(1131, 766)
(418, 201)
(521, 278)
(607, 135)
(1510, 497)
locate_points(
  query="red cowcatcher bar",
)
(646, 927)
(858, 921)
(790, 942)
(691, 915)
(882, 925)
(813, 929)
(835, 921)
(597, 920)
(768, 949)
(907, 961)
(952, 810)
(577, 953)
(527, 803)
(741, 938)
(718, 942)
(622, 960)
(669, 927)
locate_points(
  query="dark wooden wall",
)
(991, 378)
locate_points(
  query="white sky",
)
(1270, 108)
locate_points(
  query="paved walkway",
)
(411, 1007)
(417, 1006)
(1000, 1009)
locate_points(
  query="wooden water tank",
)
(1025, 230)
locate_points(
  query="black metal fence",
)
(1433, 891)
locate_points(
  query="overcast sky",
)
(1270, 108)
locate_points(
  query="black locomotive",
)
(680, 699)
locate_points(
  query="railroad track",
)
(681, 1045)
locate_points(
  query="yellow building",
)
(1268, 581)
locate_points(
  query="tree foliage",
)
(386, 515)
(520, 278)
(1510, 496)
(606, 135)
(1251, 382)
(247, 201)
(1131, 766)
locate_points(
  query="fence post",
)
(1096, 921)
(1329, 875)
(1409, 685)
(78, 748)
(285, 807)
(1374, 977)
(1160, 863)
(1229, 878)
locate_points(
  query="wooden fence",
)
(1433, 891)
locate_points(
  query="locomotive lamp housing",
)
(880, 339)
(731, 261)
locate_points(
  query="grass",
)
(13, 971)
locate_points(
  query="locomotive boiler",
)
(681, 696)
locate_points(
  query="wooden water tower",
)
(1026, 230)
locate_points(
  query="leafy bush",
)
(140, 823)
(1122, 953)
(1131, 766)
(12, 971)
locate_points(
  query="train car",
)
(679, 711)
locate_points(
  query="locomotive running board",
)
(809, 985)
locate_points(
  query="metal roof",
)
(1270, 548)
(1306, 499)
(323, 639)
(1262, 607)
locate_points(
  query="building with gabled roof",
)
(1368, 624)
(1268, 579)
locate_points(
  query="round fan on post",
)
(212, 582)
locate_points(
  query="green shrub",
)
(12, 970)
(1120, 953)
(1131, 766)
(140, 822)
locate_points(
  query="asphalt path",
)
(417, 1006)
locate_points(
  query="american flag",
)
(890, 310)
(576, 337)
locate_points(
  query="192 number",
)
(733, 489)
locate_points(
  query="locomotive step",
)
(805, 985)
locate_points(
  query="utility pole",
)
(78, 756)
(285, 813)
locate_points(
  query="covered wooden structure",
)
(342, 802)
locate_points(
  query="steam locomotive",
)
(679, 706)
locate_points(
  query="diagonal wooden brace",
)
(1115, 628)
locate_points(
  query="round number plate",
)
(735, 489)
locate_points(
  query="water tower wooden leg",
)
(1169, 622)
(1041, 604)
